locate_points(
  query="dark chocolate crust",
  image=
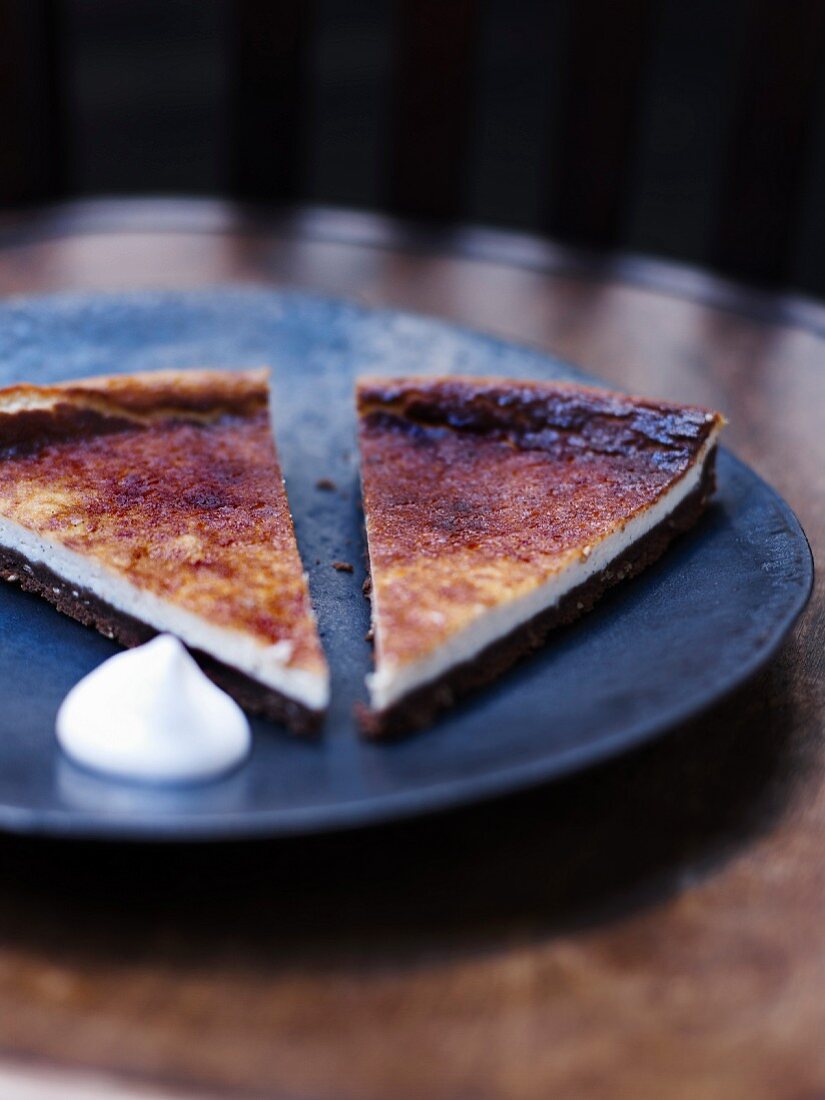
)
(89, 609)
(419, 708)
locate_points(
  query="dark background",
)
(146, 95)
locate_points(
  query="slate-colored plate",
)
(654, 652)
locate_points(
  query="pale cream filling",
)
(391, 682)
(267, 664)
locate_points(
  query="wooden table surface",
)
(653, 928)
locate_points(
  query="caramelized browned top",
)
(476, 491)
(171, 481)
(32, 415)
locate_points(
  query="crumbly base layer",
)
(420, 707)
(87, 608)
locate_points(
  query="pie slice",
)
(496, 510)
(155, 502)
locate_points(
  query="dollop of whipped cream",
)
(149, 714)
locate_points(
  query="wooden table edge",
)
(340, 225)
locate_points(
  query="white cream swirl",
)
(151, 715)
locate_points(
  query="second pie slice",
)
(155, 502)
(496, 510)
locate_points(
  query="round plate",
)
(654, 652)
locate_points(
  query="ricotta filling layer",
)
(267, 664)
(391, 682)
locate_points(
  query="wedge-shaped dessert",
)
(496, 510)
(155, 502)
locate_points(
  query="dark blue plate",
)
(655, 652)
